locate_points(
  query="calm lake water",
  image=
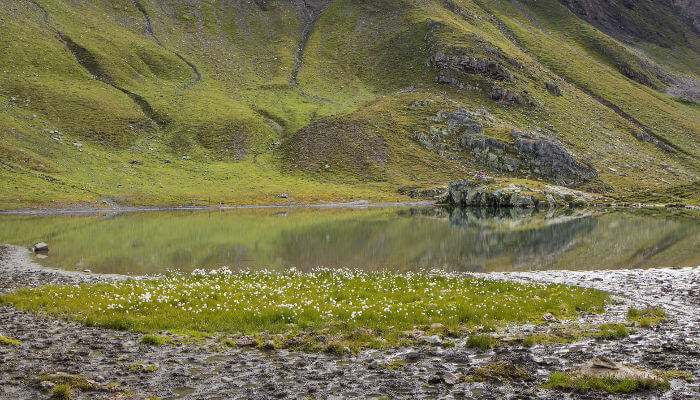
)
(375, 238)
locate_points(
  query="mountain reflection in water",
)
(471, 239)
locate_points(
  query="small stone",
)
(41, 246)
(46, 385)
(99, 378)
(434, 339)
(437, 326)
(445, 377)
(413, 356)
(549, 317)
(449, 378)
(245, 342)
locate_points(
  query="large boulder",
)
(601, 367)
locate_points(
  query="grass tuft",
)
(498, 371)
(646, 317)
(612, 331)
(153, 340)
(483, 342)
(577, 382)
(143, 367)
(62, 391)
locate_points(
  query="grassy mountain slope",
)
(164, 101)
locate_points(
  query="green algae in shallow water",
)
(339, 303)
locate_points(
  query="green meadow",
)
(353, 309)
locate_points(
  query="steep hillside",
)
(186, 101)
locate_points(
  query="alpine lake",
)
(374, 238)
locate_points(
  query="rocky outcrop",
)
(542, 155)
(504, 95)
(471, 65)
(488, 193)
(449, 77)
(453, 132)
(553, 88)
(550, 158)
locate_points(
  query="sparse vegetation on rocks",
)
(576, 382)
(9, 341)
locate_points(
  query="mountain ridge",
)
(178, 102)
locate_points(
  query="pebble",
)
(434, 339)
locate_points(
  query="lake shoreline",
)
(205, 370)
(97, 210)
(360, 204)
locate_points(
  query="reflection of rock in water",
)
(523, 238)
(499, 238)
(474, 215)
(440, 212)
(484, 217)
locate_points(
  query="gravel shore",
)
(205, 370)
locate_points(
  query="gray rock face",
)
(485, 192)
(552, 159)
(504, 95)
(452, 132)
(471, 65)
(462, 119)
(479, 193)
(542, 155)
(449, 77)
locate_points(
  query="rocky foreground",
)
(112, 364)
